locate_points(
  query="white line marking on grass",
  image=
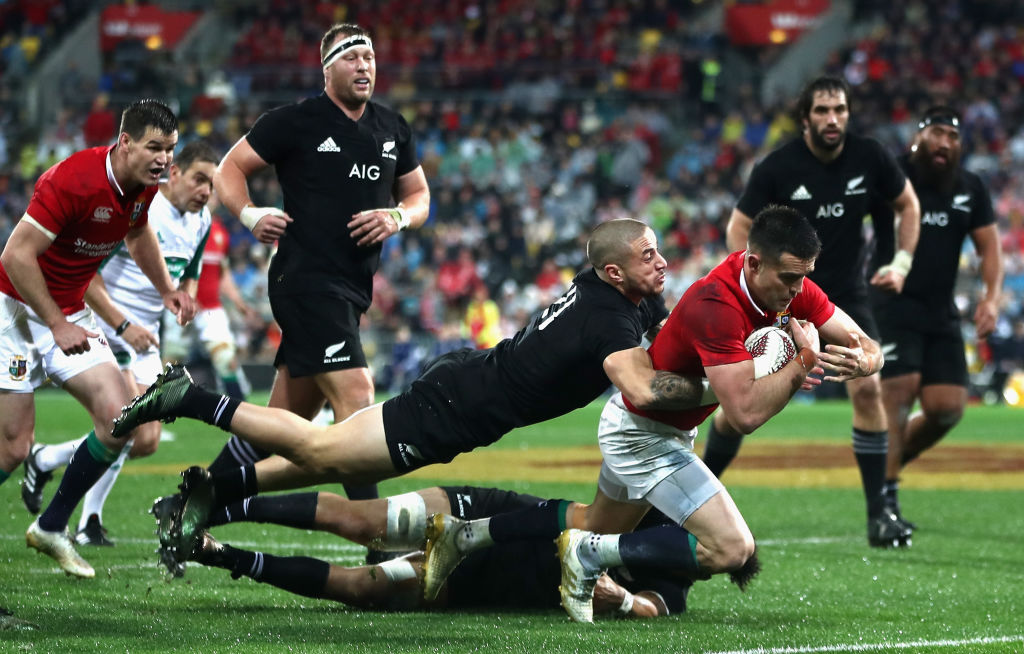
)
(874, 647)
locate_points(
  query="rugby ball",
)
(772, 348)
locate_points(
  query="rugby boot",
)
(160, 401)
(578, 580)
(442, 552)
(58, 545)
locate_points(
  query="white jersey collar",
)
(743, 285)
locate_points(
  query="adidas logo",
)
(328, 146)
(801, 194)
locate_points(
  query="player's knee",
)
(730, 551)
(945, 417)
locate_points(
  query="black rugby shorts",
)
(319, 333)
(938, 355)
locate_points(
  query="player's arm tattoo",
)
(672, 392)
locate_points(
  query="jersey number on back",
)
(556, 309)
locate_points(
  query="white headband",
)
(343, 46)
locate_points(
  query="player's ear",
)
(613, 271)
(752, 260)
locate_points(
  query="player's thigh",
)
(355, 449)
(718, 524)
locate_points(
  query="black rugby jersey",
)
(330, 167)
(947, 218)
(835, 197)
(556, 363)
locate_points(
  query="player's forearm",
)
(190, 286)
(232, 186)
(145, 250)
(755, 402)
(671, 392)
(27, 278)
(97, 297)
(416, 206)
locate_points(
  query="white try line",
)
(876, 647)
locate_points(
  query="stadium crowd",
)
(534, 123)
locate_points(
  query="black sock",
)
(81, 473)
(236, 453)
(670, 546)
(301, 575)
(544, 521)
(235, 484)
(232, 388)
(211, 408)
(297, 510)
(891, 490)
(360, 492)
(720, 450)
(870, 449)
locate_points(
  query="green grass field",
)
(958, 589)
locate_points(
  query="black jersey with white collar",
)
(835, 197)
(330, 167)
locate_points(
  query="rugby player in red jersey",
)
(81, 210)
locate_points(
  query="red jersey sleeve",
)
(50, 207)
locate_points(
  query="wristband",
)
(402, 219)
(122, 327)
(250, 215)
(803, 361)
(901, 263)
(627, 603)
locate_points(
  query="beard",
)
(942, 177)
(818, 140)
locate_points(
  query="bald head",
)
(612, 242)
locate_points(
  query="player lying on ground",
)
(517, 576)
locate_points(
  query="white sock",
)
(600, 551)
(51, 457)
(475, 535)
(97, 495)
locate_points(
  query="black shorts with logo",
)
(319, 333)
(450, 409)
(936, 353)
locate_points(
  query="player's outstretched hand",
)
(805, 334)
(373, 226)
(71, 338)
(846, 362)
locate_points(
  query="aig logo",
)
(937, 218)
(834, 210)
(362, 171)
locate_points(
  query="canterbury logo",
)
(331, 350)
(801, 194)
(853, 187)
(102, 214)
(960, 202)
(328, 146)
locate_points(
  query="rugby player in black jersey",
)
(520, 575)
(831, 176)
(562, 360)
(350, 178)
(921, 337)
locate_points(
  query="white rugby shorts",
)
(31, 356)
(648, 462)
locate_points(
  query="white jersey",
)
(181, 238)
